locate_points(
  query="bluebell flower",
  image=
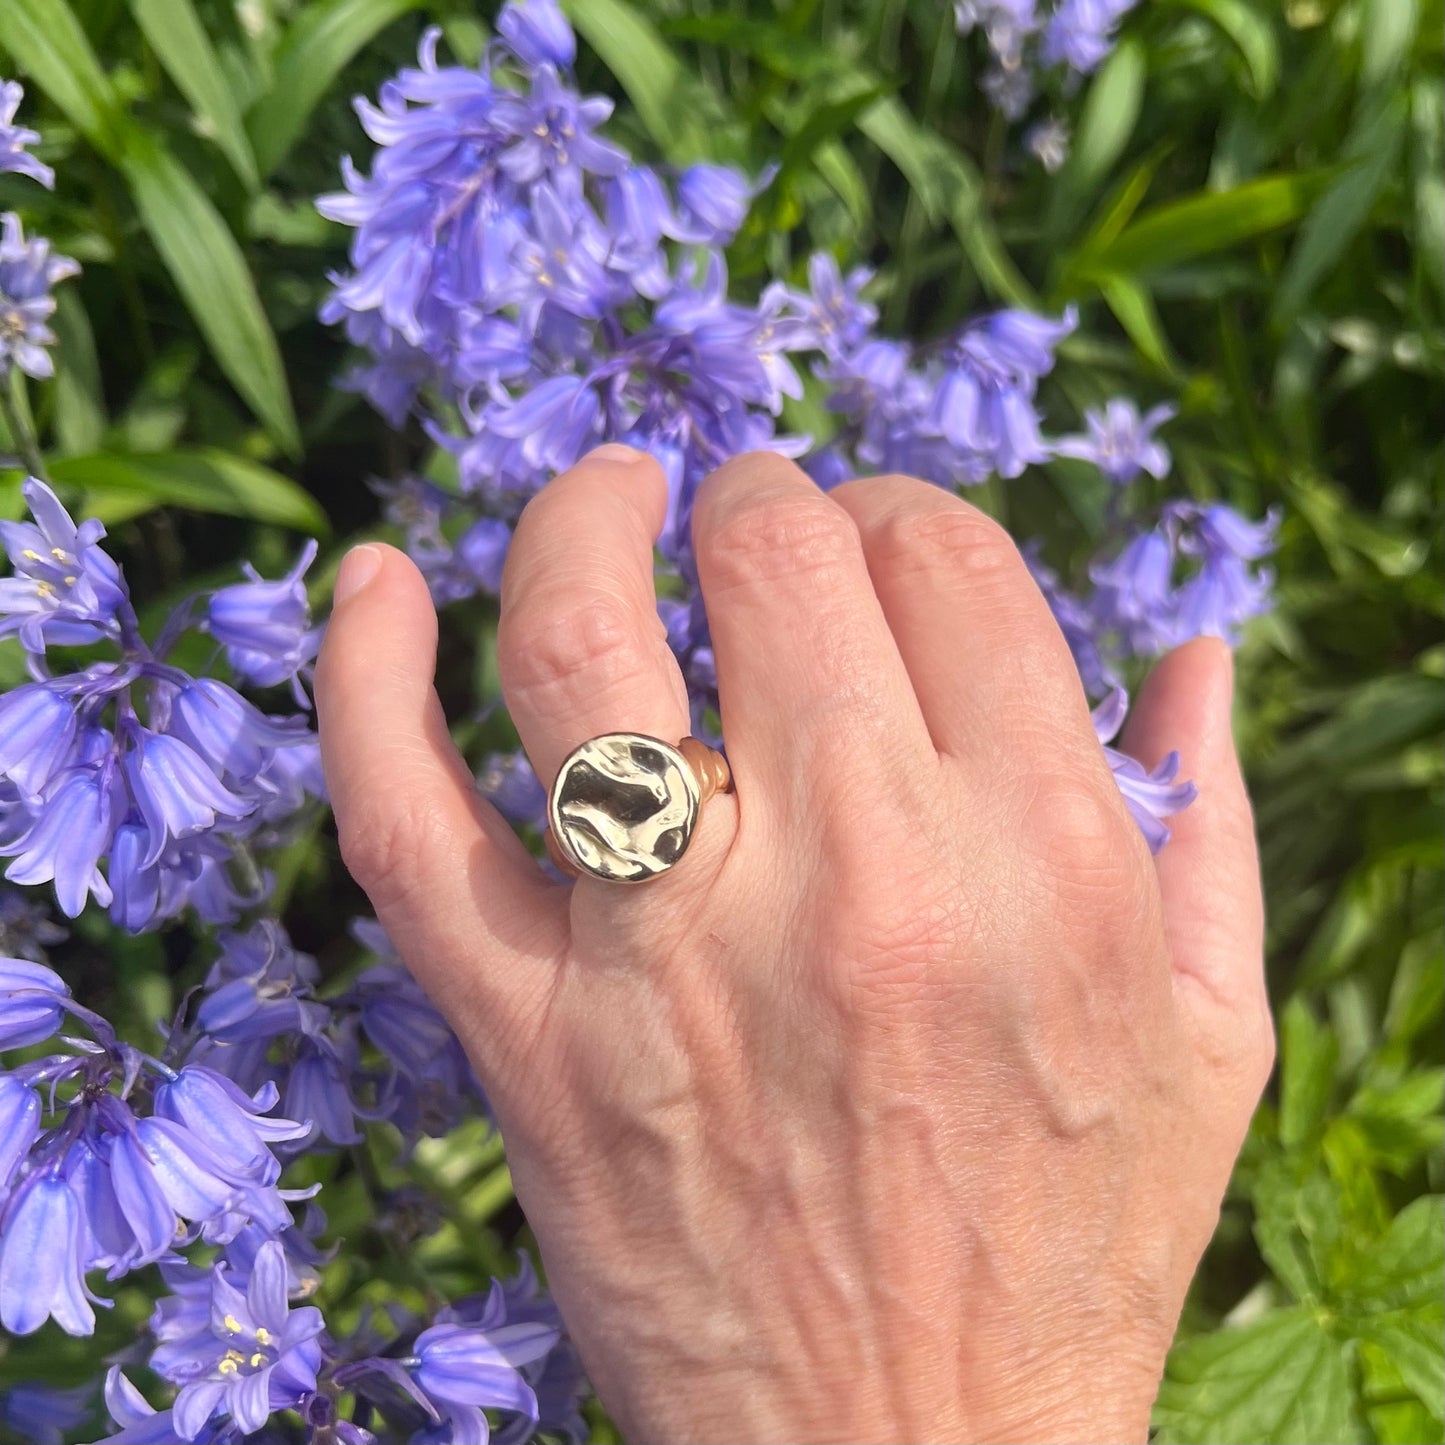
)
(229, 1123)
(41, 1414)
(265, 627)
(1140, 599)
(1077, 623)
(1009, 88)
(712, 203)
(33, 1002)
(507, 780)
(14, 139)
(26, 929)
(320, 1087)
(66, 838)
(259, 988)
(1048, 143)
(550, 132)
(65, 590)
(472, 1368)
(1151, 796)
(28, 271)
(1120, 442)
(139, 1421)
(537, 33)
(1080, 33)
(42, 1264)
(256, 1355)
(1006, 23)
(37, 734)
(176, 793)
(19, 1125)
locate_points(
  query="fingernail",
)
(615, 452)
(358, 567)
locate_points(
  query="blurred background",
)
(1250, 218)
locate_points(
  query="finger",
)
(580, 645)
(452, 885)
(985, 656)
(810, 682)
(1209, 870)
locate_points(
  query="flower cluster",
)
(1028, 50)
(131, 761)
(28, 269)
(527, 290)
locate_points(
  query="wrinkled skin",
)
(902, 1108)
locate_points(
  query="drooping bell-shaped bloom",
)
(176, 792)
(140, 1423)
(537, 33)
(232, 735)
(14, 139)
(231, 1125)
(42, 1267)
(32, 1002)
(66, 839)
(19, 1125)
(1080, 33)
(1151, 796)
(464, 1365)
(265, 627)
(37, 730)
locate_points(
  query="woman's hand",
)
(901, 1109)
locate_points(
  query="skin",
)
(903, 1106)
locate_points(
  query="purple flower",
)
(834, 316)
(468, 1366)
(1080, 33)
(139, 1421)
(19, 1125)
(255, 1355)
(42, 1414)
(230, 1124)
(37, 731)
(319, 1089)
(1006, 23)
(1120, 442)
(712, 203)
(15, 138)
(265, 627)
(537, 33)
(1138, 600)
(28, 270)
(1151, 797)
(65, 590)
(42, 1271)
(514, 789)
(1077, 624)
(551, 132)
(176, 793)
(66, 839)
(1048, 142)
(32, 1002)
(235, 738)
(1009, 88)
(25, 927)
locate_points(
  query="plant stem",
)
(18, 425)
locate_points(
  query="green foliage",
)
(1252, 222)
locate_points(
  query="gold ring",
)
(624, 806)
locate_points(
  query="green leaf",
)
(669, 101)
(1308, 1054)
(80, 417)
(1407, 1266)
(316, 48)
(1387, 31)
(175, 32)
(1252, 34)
(211, 275)
(1202, 224)
(47, 40)
(1283, 1379)
(1107, 120)
(1415, 1344)
(949, 187)
(204, 480)
(1374, 147)
(1134, 309)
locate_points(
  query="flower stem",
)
(17, 423)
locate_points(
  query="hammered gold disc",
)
(624, 807)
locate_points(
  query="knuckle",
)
(593, 638)
(771, 536)
(945, 533)
(386, 843)
(1081, 836)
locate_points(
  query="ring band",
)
(624, 806)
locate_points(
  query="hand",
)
(902, 1107)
